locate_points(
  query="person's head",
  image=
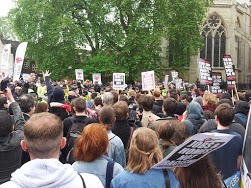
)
(106, 116)
(157, 93)
(146, 102)
(242, 107)
(27, 103)
(121, 110)
(3, 102)
(43, 136)
(144, 151)
(6, 125)
(224, 114)
(124, 98)
(169, 105)
(41, 107)
(165, 131)
(98, 101)
(58, 95)
(92, 144)
(195, 111)
(209, 99)
(94, 95)
(18, 90)
(79, 104)
(107, 98)
(199, 174)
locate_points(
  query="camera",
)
(4, 84)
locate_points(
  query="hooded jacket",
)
(49, 173)
(195, 116)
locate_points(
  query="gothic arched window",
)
(214, 41)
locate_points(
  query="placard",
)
(193, 149)
(217, 79)
(79, 74)
(118, 81)
(5, 56)
(230, 72)
(148, 80)
(96, 77)
(166, 79)
(174, 74)
(205, 72)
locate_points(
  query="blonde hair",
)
(144, 151)
(210, 99)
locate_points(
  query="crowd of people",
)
(79, 134)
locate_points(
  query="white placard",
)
(148, 80)
(193, 149)
(96, 77)
(79, 74)
(118, 81)
(5, 56)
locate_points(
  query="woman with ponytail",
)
(144, 152)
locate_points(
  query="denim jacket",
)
(153, 178)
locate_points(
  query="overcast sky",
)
(6, 5)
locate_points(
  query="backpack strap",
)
(112, 137)
(83, 181)
(109, 172)
(166, 176)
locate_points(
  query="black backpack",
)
(75, 132)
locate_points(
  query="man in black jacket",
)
(10, 149)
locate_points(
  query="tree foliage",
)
(6, 29)
(123, 35)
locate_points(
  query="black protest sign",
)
(194, 149)
(217, 79)
(205, 72)
(230, 72)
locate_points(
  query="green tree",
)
(184, 25)
(6, 31)
(123, 35)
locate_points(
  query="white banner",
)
(118, 81)
(79, 74)
(193, 149)
(5, 57)
(96, 77)
(148, 80)
(19, 59)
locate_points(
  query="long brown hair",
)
(200, 174)
(144, 151)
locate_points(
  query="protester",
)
(10, 148)
(43, 138)
(202, 173)
(144, 152)
(147, 102)
(116, 149)
(90, 151)
(166, 131)
(121, 126)
(41, 107)
(227, 158)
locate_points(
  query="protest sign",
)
(118, 81)
(230, 72)
(166, 79)
(178, 83)
(217, 79)
(5, 57)
(96, 77)
(193, 149)
(205, 72)
(148, 80)
(174, 74)
(79, 74)
(19, 60)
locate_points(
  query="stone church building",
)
(226, 31)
